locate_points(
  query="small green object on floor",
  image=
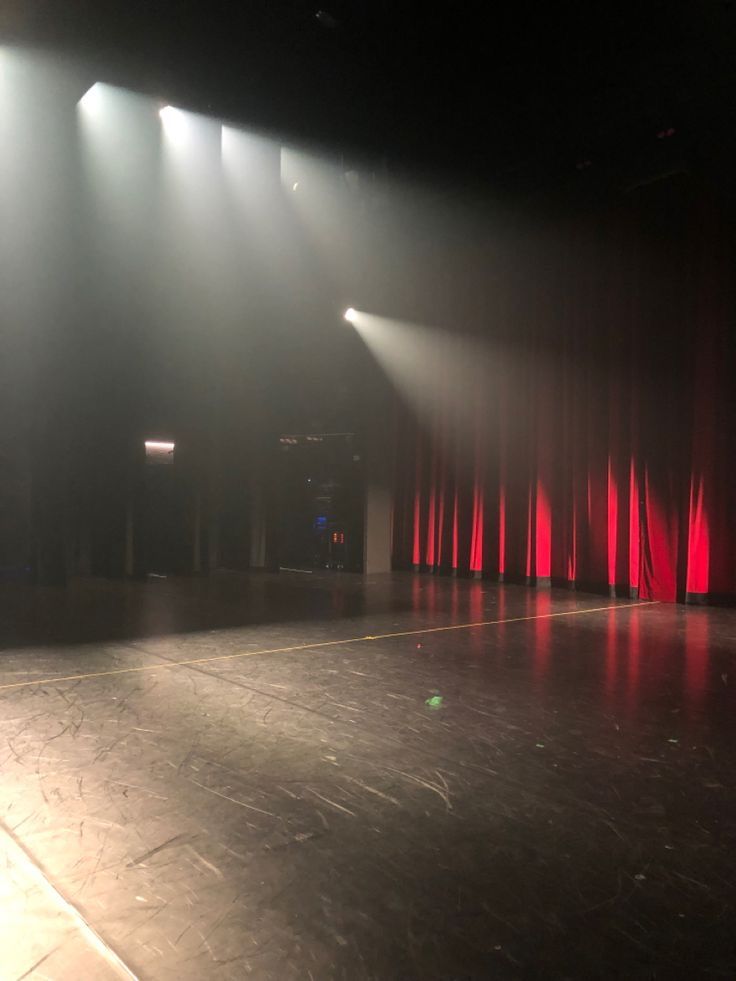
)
(434, 702)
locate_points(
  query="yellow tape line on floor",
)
(307, 647)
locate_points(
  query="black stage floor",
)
(285, 777)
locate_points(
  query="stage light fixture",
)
(91, 101)
(175, 122)
(350, 315)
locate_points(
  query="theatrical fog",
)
(367, 509)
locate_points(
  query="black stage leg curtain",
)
(595, 444)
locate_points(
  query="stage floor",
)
(335, 777)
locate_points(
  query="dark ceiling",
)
(516, 91)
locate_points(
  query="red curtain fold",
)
(432, 512)
(707, 526)
(604, 437)
(416, 552)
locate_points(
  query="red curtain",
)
(602, 446)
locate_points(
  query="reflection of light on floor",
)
(697, 648)
(634, 654)
(35, 682)
(542, 626)
(611, 656)
(38, 926)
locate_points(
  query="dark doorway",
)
(163, 519)
(320, 502)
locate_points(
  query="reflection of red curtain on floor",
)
(603, 452)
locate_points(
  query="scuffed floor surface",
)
(278, 777)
